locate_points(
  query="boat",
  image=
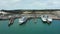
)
(43, 18)
(11, 21)
(22, 20)
(49, 19)
(46, 18)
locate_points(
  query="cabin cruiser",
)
(46, 18)
(49, 19)
(22, 20)
(43, 18)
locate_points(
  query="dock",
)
(54, 17)
(36, 14)
(30, 16)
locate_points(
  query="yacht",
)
(43, 18)
(22, 20)
(46, 18)
(49, 19)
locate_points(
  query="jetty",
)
(39, 16)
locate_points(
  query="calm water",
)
(30, 27)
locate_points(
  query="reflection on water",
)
(47, 23)
(22, 23)
(10, 24)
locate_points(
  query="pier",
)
(54, 14)
(30, 16)
(54, 17)
(11, 15)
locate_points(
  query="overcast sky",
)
(29, 4)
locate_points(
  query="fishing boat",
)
(22, 20)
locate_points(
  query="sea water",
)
(30, 27)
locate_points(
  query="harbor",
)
(7, 14)
(30, 22)
(24, 15)
(28, 16)
(30, 27)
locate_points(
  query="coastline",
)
(53, 14)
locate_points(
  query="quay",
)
(53, 13)
(54, 17)
(11, 15)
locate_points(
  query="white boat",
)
(22, 20)
(43, 18)
(49, 19)
(46, 18)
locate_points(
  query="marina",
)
(45, 16)
(29, 16)
(29, 22)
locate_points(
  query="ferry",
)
(22, 20)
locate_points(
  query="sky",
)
(29, 4)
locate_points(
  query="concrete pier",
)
(39, 15)
(31, 16)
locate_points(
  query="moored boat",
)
(46, 18)
(43, 18)
(22, 20)
(49, 19)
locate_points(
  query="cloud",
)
(8, 4)
(52, 4)
(30, 4)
